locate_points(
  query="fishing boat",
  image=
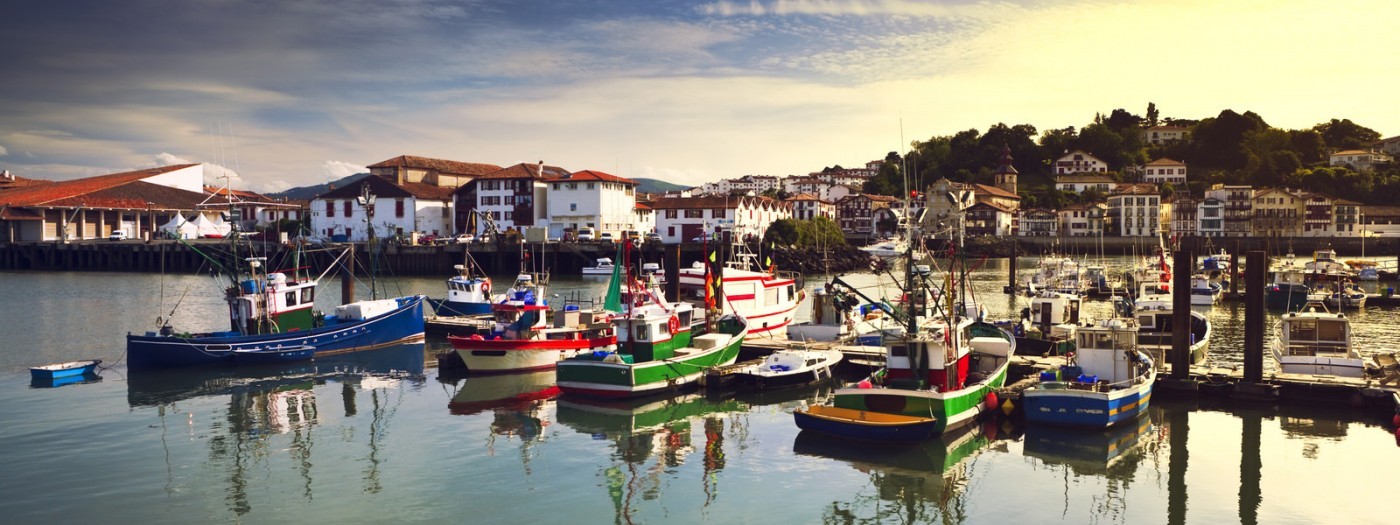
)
(603, 266)
(62, 370)
(522, 337)
(1058, 273)
(766, 299)
(1326, 268)
(1155, 314)
(1288, 289)
(278, 310)
(1048, 325)
(1314, 341)
(468, 292)
(789, 367)
(657, 349)
(1106, 382)
(274, 354)
(1205, 292)
(865, 425)
(1347, 296)
(838, 315)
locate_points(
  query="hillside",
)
(657, 186)
(306, 193)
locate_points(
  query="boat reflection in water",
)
(1112, 453)
(519, 404)
(652, 436)
(273, 409)
(927, 482)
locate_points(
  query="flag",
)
(613, 301)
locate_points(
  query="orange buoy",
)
(864, 383)
(992, 401)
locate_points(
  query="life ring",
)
(674, 324)
(486, 289)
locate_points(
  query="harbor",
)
(402, 415)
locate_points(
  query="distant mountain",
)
(658, 186)
(306, 193)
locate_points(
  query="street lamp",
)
(366, 200)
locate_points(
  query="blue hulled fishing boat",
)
(268, 310)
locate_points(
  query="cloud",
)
(3, 151)
(338, 169)
(909, 8)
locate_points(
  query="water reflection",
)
(519, 405)
(926, 482)
(650, 437)
(276, 409)
(1113, 455)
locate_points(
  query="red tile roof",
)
(527, 171)
(599, 176)
(385, 188)
(993, 190)
(86, 191)
(1166, 162)
(441, 166)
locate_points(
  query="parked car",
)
(606, 237)
(117, 235)
(464, 238)
(653, 237)
(585, 234)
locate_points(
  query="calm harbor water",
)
(383, 436)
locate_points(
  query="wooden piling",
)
(672, 266)
(347, 280)
(1181, 315)
(1254, 316)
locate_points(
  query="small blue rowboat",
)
(865, 425)
(69, 369)
(274, 354)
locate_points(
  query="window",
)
(290, 298)
(717, 213)
(573, 206)
(347, 208)
(670, 214)
(398, 208)
(330, 208)
(694, 214)
(590, 186)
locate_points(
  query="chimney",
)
(7, 175)
(541, 169)
(330, 186)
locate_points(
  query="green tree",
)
(1308, 145)
(1345, 134)
(1152, 114)
(1218, 143)
(889, 180)
(782, 231)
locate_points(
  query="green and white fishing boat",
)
(657, 347)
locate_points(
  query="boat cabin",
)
(468, 289)
(1108, 351)
(271, 305)
(653, 332)
(1315, 333)
(1050, 308)
(938, 360)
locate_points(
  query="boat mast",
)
(366, 200)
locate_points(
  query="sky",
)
(280, 94)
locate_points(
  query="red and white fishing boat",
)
(767, 299)
(524, 337)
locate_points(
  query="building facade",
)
(1277, 213)
(1079, 162)
(592, 199)
(1165, 171)
(1039, 222)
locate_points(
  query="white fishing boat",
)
(1107, 382)
(1205, 292)
(765, 298)
(887, 248)
(1315, 341)
(1347, 295)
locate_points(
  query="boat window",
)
(665, 328)
(308, 294)
(291, 298)
(1330, 331)
(641, 333)
(1124, 339)
(770, 296)
(899, 350)
(1302, 330)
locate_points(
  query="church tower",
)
(1005, 177)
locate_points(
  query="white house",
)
(1357, 159)
(1165, 170)
(1079, 162)
(809, 185)
(682, 219)
(1210, 217)
(1079, 183)
(513, 198)
(1163, 134)
(592, 199)
(644, 218)
(1136, 210)
(806, 206)
(399, 209)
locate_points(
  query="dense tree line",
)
(1230, 148)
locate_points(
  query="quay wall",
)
(570, 258)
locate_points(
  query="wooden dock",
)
(462, 325)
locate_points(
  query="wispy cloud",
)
(911, 8)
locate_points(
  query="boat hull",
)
(951, 410)
(505, 355)
(863, 425)
(274, 355)
(1058, 404)
(1278, 297)
(64, 370)
(401, 325)
(596, 378)
(446, 308)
